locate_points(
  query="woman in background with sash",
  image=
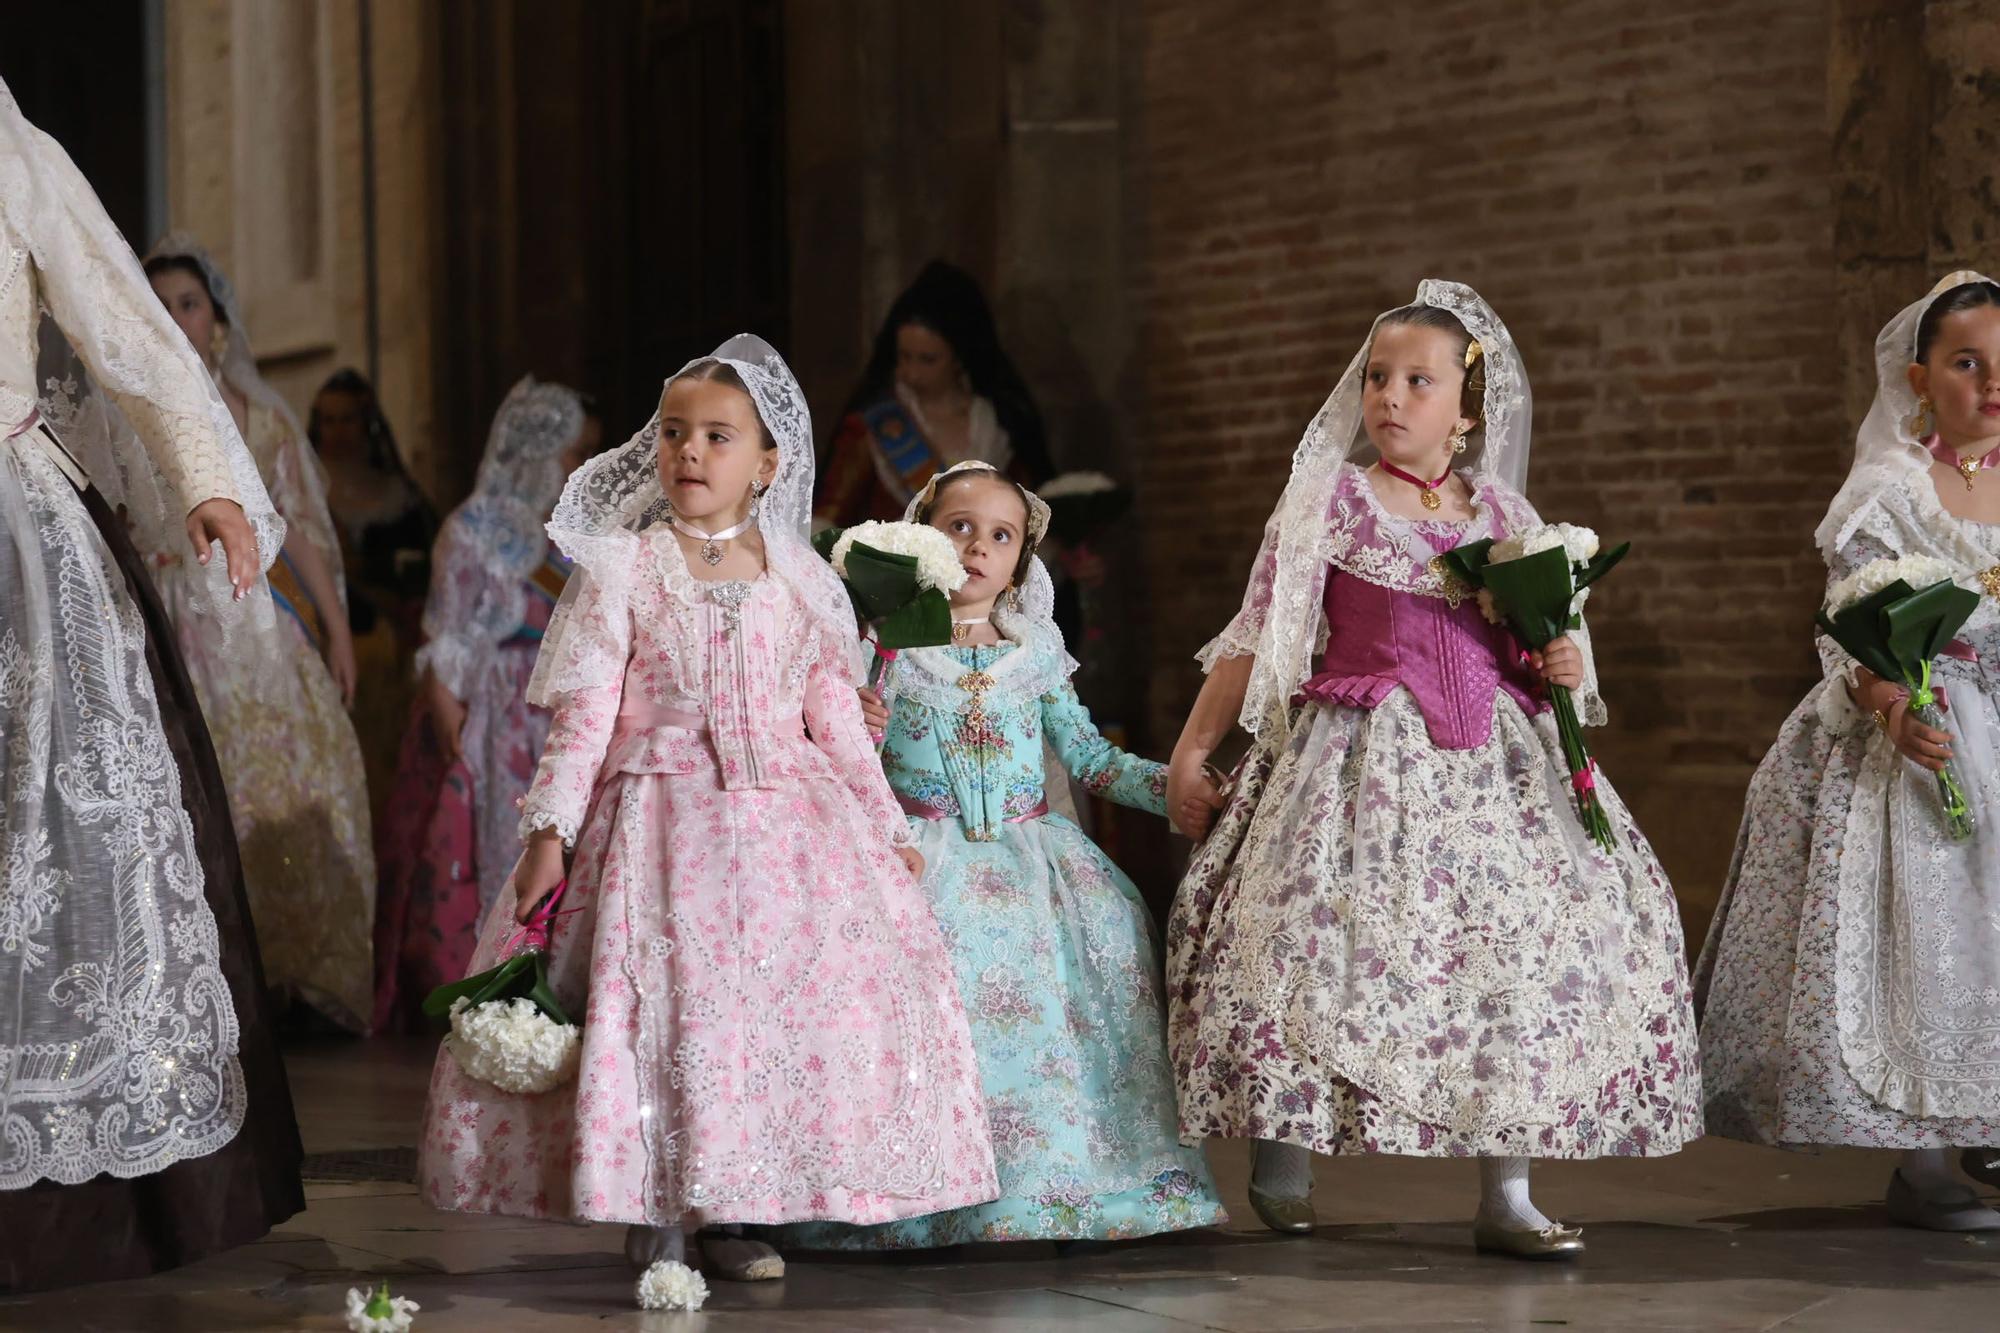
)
(938, 391)
(449, 837)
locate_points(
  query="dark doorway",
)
(615, 198)
(79, 72)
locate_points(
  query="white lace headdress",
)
(1034, 618)
(238, 369)
(617, 495)
(1886, 449)
(1288, 605)
(521, 473)
(520, 476)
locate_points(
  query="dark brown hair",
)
(1472, 395)
(1028, 542)
(721, 372)
(185, 264)
(1965, 296)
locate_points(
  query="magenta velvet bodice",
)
(1450, 660)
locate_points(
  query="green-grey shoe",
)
(1293, 1217)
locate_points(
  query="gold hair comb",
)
(1473, 351)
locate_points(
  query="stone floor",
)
(1721, 1237)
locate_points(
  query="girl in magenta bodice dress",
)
(1399, 937)
(773, 1033)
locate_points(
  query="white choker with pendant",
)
(711, 549)
(961, 630)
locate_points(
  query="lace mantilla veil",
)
(1886, 451)
(1293, 548)
(615, 496)
(520, 477)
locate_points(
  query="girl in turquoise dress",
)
(1051, 943)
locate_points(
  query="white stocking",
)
(1503, 1194)
(1932, 1171)
(1282, 1170)
(646, 1246)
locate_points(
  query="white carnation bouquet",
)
(1537, 582)
(901, 577)
(507, 1028)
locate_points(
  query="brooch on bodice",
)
(1455, 591)
(1989, 579)
(730, 597)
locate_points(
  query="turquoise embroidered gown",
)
(1054, 954)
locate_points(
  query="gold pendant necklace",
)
(961, 630)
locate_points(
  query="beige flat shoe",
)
(740, 1259)
(1554, 1241)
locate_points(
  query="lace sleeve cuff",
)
(534, 821)
(451, 661)
(1588, 697)
(1225, 645)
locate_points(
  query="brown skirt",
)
(109, 1228)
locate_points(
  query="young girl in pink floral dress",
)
(773, 1033)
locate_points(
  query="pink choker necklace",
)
(1967, 468)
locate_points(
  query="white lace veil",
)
(127, 345)
(617, 495)
(521, 472)
(1886, 450)
(300, 474)
(1292, 549)
(500, 528)
(1034, 620)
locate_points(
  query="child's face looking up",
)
(987, 522)
(711, 449)
(1961, 377)
(1410, 397)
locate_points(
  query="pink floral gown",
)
(773, 1031)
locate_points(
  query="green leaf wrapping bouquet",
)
(900, 577)
(1896, 617)
(1537, 583)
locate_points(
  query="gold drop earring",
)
(218, 345)
(1920, 424)
(1458, 445)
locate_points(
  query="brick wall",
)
(1643, 193)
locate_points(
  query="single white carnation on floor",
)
(667, 1285)
(379, 1313)
(1919, 571)
(1077, 483)
(937, 558)
(513, 1045)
